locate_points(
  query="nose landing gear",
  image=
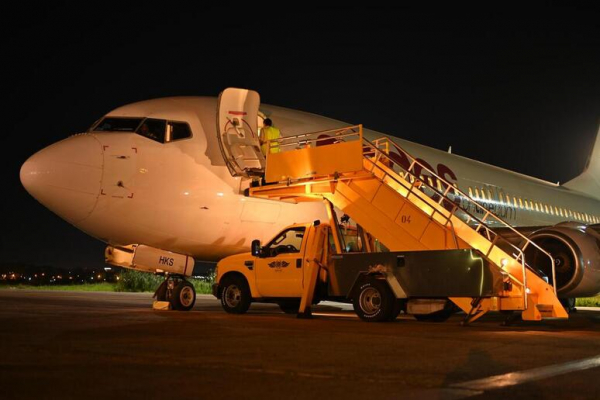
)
(178, 293)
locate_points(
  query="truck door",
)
(237, 129)
(280, 273)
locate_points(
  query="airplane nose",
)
(66, 177)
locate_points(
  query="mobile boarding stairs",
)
(406, 211)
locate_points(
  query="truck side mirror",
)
(256, 248)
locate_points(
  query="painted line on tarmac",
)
(535, 374)
(477, 387)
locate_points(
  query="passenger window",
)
(289, 241)
(178, 131)
(501, 196)
(153, 129)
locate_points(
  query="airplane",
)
(162, 182)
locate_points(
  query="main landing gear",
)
(179, 293)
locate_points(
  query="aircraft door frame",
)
(237, 131)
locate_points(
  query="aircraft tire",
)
(161, 291)
(184, 296)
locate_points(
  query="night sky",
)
(514, 87)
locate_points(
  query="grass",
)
(85, 287)
(588, 302)
(130, 281)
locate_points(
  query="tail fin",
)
(589, 181)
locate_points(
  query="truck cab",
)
(275, 272)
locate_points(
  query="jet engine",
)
(576, 251)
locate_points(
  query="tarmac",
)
(113, 345)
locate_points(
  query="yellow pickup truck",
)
(317, 262)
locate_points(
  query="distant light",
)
(99, 276)
(107, 269)
(118, 278)
(220, 194)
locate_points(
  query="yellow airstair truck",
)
(439, 256)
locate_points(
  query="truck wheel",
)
(184, 296)
(289, 306)
(374, 301)
(235, 297)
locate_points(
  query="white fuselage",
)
(123, 188)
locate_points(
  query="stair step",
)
(547, 310)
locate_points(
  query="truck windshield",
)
(114, 124)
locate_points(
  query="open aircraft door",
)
(237, 127)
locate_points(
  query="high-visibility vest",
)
(270, 133)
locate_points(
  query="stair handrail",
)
(456, 190)
(452, 212)
(304, 139)
(339, 134)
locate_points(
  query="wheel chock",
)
(161, 305)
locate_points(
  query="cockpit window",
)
(118, 124)
(153, 129)
(156, 129)
(179, 130)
